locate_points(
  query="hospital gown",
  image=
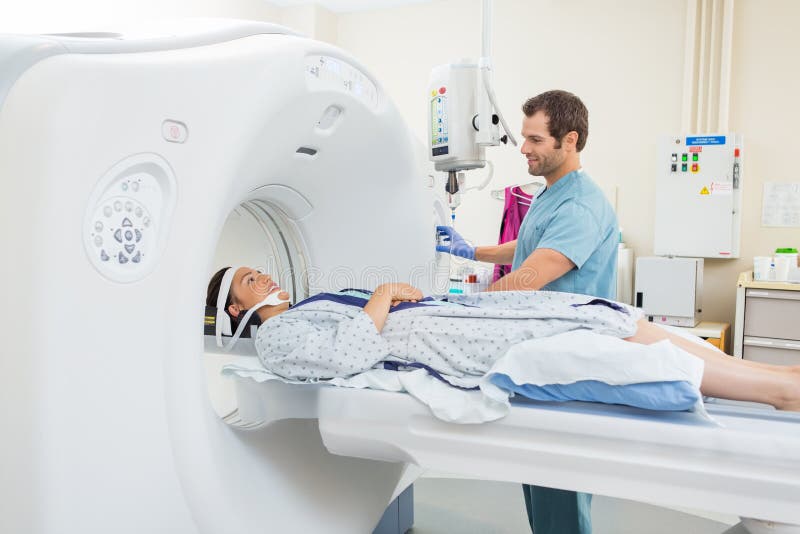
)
(331, 336)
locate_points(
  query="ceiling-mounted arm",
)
(488, 111)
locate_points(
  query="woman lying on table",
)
(342, 334)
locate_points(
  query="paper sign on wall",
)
(781, 205)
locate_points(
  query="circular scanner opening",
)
(256, 234)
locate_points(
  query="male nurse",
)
(567, 242)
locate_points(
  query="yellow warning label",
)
(705, 191)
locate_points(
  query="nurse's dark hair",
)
(212, 293)
(565, 113)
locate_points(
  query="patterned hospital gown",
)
(330, 335)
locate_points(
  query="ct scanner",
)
(127, 156)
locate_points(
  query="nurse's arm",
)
(501, 254)
(540, 268)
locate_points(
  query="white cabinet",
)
(767, 325)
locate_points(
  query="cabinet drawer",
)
(775, 351)
(772, 314)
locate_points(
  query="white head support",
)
(223, 322)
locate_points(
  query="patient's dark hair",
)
(212, 294)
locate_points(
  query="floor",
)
(445, 505)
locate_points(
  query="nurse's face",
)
(544, 153)
(249, 287)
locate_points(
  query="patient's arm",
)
(500, 254)
(540, 268)
(378, 306)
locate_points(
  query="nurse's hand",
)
(458, 246)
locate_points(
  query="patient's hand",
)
(387, 295)
(400, 292)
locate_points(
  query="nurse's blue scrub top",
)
(574, 218)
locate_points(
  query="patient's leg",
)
(732, 378)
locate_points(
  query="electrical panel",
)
(699, 196)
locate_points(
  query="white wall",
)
(311, 20)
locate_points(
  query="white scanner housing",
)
(163, 137)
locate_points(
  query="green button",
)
(685, 157)
(695, 157)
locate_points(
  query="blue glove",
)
(457, 245)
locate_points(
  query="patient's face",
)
(249, 287)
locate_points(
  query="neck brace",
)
(223, 322)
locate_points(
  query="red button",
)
(735, 152)
(442, 90)
(694, 167)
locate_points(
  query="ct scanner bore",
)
(257, 233)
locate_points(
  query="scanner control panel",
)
(127, 217)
